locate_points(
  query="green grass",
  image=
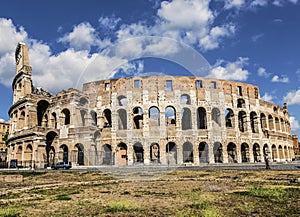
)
(264, 192)
(122, 206)
(9, 212)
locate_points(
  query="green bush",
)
(9, 212)
(122, 206)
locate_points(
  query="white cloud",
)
(262, 72)
(234, 4)
(259, 2)
(231, 70)
(267, 97)
(292, 97)
(10, 36)
(294, 124)
(2, 120)
(109, 22)
(82, 37)
(282, 79)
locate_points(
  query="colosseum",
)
(149, 120)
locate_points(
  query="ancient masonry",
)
(151, 120)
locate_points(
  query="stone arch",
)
(42, 107)
(107, 154)
(19, 153)
(216, 116)
(274, 153)
(107, 118)
(242, 121)
(22, 119)
(203, 152)
(280, 151)
(94, 117)
(64, 153)
(154, 153)
(138, 154)
(256, 153)
(122, 119)
(277, 124)
(282, 125)
(229, 118)
(286, 154)
(245, 152)
(53, 120)
(218, 152)
(122, 154)
(271, 122)
(185, 99)
(122, 100)
(170, 115)
(51, 138)
(80, 154)
(154, 116)
(201, 118)
(138, 118)
(186, 119)
(241, 103)
(231, 152)
(171, 152)
(28, 154)
(253, 122)
(263, 121)
(188, 153)
(66, 116)
(82, 115)
(83, 101)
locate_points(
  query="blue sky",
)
(255, 42)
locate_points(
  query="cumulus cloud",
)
(259, 3)
(2, 120)
(282, 79)
(230, 70)
(294, 124)
(267, 97)
(292, 97)
(262, 72)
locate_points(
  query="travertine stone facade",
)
(4, 128)
(157, 120)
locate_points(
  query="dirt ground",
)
(171, 193)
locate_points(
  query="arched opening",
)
(277, 124)
(188, 154)
(42, 107)
(19, 154)
(66, 116)
(122, 120)
(94, 118)
(107, 118)
(282, 125)
(170, 115)
(263, 121)
(22, 120)
(138, 156)
(231, 151)
(242, 121)
(137, 118)
(154, 115)
(171, 151)
(203, 152)
(266, 150)
(218, 152)
(65, 153)
(245, 152)
(122, 154)
(53, 120)
(82, 115)
(256, 153)
(186, 119)
(241, 103)
(28, 156)
(50, 150)
(80, 154)
(280, 150)
(285, 153)
(83, 101)
(45, 121)
(154, 153)
(201, 118)
(185, 99)
(274, 153)
(216, 117)
(107, 154)
(122, 100)
(271, 122)
(229, 118)
(253, 122)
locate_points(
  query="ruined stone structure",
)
(159, 120)
(4, 128)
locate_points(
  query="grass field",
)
(174, 193)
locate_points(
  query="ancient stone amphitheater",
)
(150, 120)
